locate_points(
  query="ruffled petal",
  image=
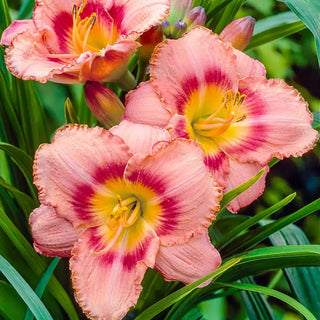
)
(247, 67)
(240, 173)
(277, 123)
(143, 105)
(188, 262)
(78, 160)
(28, 59)
(15, 28)
(107, 285)
(185, 192)
(53, 235)
(136, 16)
(110, 64)
(180, 69)
(139, 137)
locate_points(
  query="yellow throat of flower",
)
(220, 119)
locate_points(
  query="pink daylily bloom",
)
(75, 41)
(118, 203)
(220, 97)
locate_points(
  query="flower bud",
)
(195, 17)
(103, 103)
(178, 29)
(178, 10)
(239, 32)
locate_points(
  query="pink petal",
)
(111, 65)
(15, 28)
(53, 235)
(78, 160)
(186, 194)
(240, 173)
(143, 105)
(182, 67)
(247, 67)
(139, 137)
(136, 16)
(106, 286)
(27, 62)
(188, 262)
(277, 124)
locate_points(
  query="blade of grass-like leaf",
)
(273, 293)
(5, 20)
(14, 308)
(316, 121)
(25, 11)
(24, 290)
(255, 303)
(261, 260)
(23, 161)
(39, 290)
(230, 195)
(235, 231)
(166, 302)
(252, 238)
(308, 11)
(275, 27)
(36, 264)
(304, 282)
(26, 203)
(69, 113)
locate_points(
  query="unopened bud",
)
(239, 32)
(195, 17)
(103, 103)
(178, 29)
(178, 10)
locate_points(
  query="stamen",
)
(55, 55)
(74, 11)
(93, 19)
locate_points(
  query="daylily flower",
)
(72, 41)
(182, 18)
(119, 207)
(220, 97)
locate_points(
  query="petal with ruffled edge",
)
(133, 17)
(107, 285)
(78, 160)
(185, 191)
(277, 123)
(188, 262)
(30, 62)
(181, 70)
(15, 28)
(240, 173)
(247, 67)
(143, 105)
(110, 64)
(53, 235)
(140, 137)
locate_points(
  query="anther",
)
(74, 10)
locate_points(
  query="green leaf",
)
(43, 284)
(36, 264)
(255, 303)
(236, 230)
(24, 290)
(316, 121)
(23, 161)
(265, 259)
(14, 308)
(304, 282)
(278, 26)
(26, 203)
(5, 18)
(230, 195)
(166, 302)
(308, 11)
(69, 113)
(25, 11)
(273, 293)
(254, 237)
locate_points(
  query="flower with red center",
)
(220, 97)
(73, 41)
(119, 207)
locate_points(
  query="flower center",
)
(221, 119)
